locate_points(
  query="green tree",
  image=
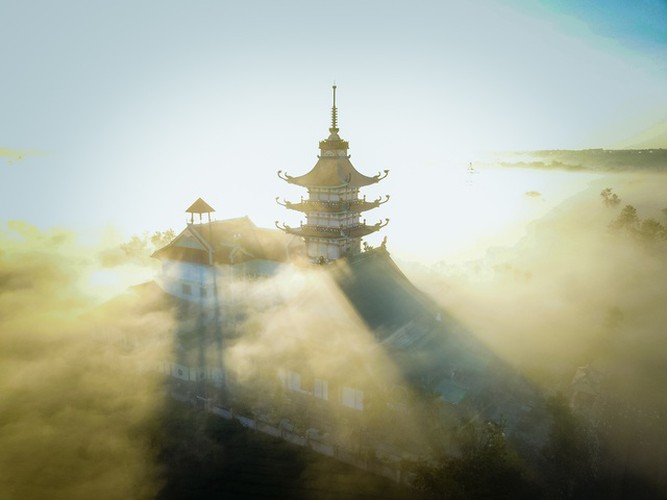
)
(162, 238)
(650, 231)
(486, 469)
(137, 246)
(144, 245)
(628, 220)
(609, 198)
(568, 453)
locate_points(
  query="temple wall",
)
(196, 282)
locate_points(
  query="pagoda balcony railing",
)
(356, 205)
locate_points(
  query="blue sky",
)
(138, 108)
(641, 24)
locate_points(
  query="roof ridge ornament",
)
(380, 175)
(285, 176)
(334, 112)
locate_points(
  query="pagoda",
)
(333, 227)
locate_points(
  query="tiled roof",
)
(232, 241)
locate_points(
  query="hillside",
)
(603, 160)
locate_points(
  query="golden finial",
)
(334, 112)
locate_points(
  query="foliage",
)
(609, 198)
(486, 468)
(144, 245)
(569, 453)
(628, 219)
(648, 231)
(204, 456)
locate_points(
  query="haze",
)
(165, 102)
(115, 118)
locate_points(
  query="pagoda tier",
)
(357, 205)
(316, 231)
(333, 228)
(331, 171)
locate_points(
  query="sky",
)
(116, 116)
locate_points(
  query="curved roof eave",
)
(333, 172)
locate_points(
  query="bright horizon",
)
(124, 114)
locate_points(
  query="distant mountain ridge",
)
(610, 160)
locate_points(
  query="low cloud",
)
(74, 374)
(575, 293)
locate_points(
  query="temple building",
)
(206, 255)
(352, 349)
(333, 227)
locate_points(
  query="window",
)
(294, 381)
(353, 398)
(180, 371)
(321, 389)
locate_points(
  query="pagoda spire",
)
(334, 112)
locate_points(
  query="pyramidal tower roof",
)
(200, 207)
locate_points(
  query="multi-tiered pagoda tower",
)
(333, 227)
